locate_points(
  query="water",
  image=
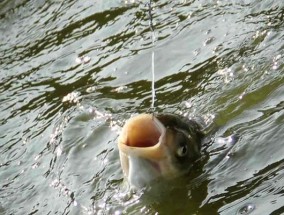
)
(72, 72)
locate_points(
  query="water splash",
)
(276, 64)
(121, 89)
(227, 74)
(73, 97)
(246, 209)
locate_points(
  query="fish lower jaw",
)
(142, 172)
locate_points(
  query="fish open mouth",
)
(142, 136)
(142, 131)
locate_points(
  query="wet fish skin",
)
(183, 132)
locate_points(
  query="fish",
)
(158, 146)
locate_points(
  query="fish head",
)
(162, 146)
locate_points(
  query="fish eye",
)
(182, 151)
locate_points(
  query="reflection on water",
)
(72, 72)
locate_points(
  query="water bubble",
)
(245, 68)
(138, 30)
(246, 209)
(277, 57)
(275, 62)
(208, 41)
(275, 66)
(35, 165)
(86, 59)
(78, 60)
(129, 1)
(90, 89)
(37, 157)
(83, 60)
(208, 32)
(218, 48)
(75, 203)
(242, 95)
(117, 212)
(196, 52)
(25, 140)
(54, 183)
(121, 89)
(58, 151)
(188, 104)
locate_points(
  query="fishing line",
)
(152, 108)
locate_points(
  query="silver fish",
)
(161, 146)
